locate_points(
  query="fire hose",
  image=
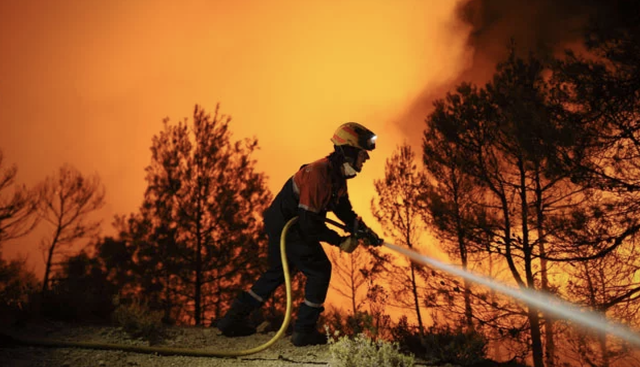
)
(178, 351)
(541, 301)
(184, 351)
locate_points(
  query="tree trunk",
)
(168, 304)
(602, 340)
(352, 285)
(536, 342)
(462, 248)
(198, 266)
(415, 299)
(533, 313)
(217, 304)
(47, 270)
(548, 319)
(544, 276)
(353, 302)
(527, 249)
(468, 311)
(198, 283)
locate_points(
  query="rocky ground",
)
(282, 353)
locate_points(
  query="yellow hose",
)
(184, 351)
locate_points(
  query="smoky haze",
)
(544, 27)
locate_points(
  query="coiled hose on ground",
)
(179, 351)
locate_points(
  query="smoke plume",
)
(544, 27)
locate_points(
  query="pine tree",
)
(398, 207)
(204, 202)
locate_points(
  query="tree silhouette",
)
(16, 285)
(67, 198)
(398, 208)
(354, 276)
(350, 280)
(601, 90)
(83, 290)
(510, 138)
(18, 214)
(148, 263)
(454, 207)
(203, 205)
(115, 258)
(607, 285)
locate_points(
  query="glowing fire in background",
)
(89, 83)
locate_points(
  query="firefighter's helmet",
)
(355, 135)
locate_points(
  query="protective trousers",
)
(307, 257)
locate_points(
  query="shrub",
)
(139, 321)
(79, 291)
(349, 325)
(442, 345)
(456, 346)
(362, 351)
(18, 288)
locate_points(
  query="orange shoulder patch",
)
(314, 185)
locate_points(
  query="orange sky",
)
(89, 82)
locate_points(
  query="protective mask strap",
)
(348, 170)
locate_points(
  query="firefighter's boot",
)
(236, 321)
(305, 332)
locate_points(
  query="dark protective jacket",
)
(314, 190)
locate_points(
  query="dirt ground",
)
(282, 353)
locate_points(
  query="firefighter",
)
(317, 188)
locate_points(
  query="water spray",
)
(537, 299)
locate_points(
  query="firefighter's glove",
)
(348, 244)
(372, 239)
(368, 236)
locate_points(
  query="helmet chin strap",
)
(348, 170)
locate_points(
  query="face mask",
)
(348, 170)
